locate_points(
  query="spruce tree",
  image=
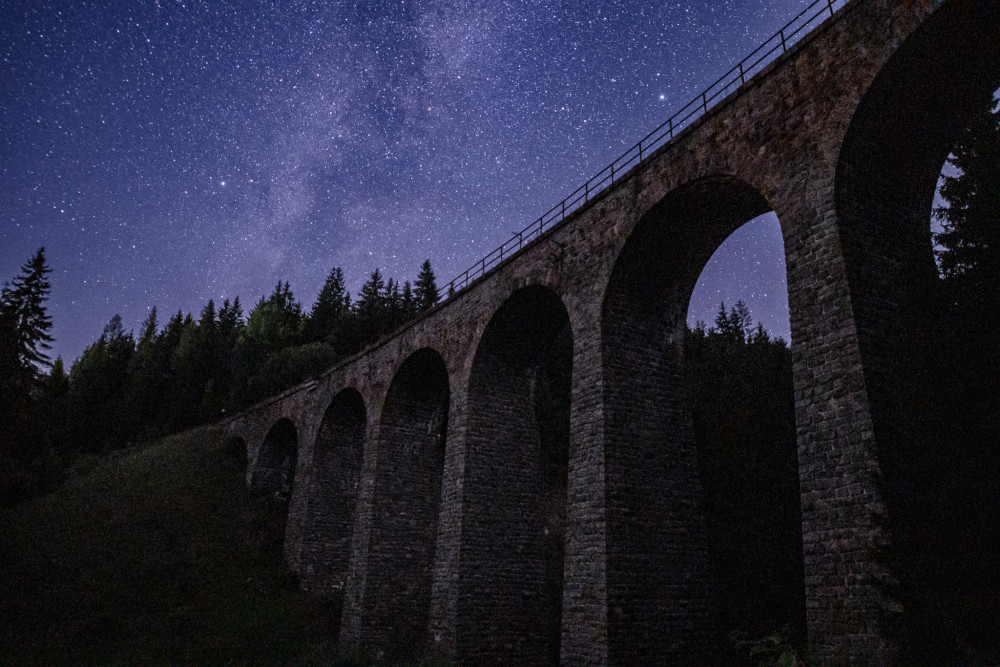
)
(425, 289)
(147, 335)
(409, 302)
(144, 390)
(329, 308)
(25, 319)
(393, 301)
(370, 308)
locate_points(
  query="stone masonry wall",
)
(511, 576)
(332, 498)
(405, 507)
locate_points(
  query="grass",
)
(154, 556)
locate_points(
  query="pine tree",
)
(99, 400)
(207, 323)
(393, 301)
(220, 385)
(24, 337)
(370, 308)
(230, 325)
(22, 308)
(425, 289)
(736, 324)
(144, 390)
(409, 302)
(330, 307)
(147, 335)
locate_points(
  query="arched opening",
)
(939, 468)
(739, 379)
(236, 452)
(273, 476)
(666, 531)
(411, 445)
(511, 583)
(274, 470)
(336, 476)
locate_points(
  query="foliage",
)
(22, 308)
(970, 219)
(777, 648)
(288, 367)
(24, 338)
(425, 290)
(125, 389)
(327, 319)
(740, 387)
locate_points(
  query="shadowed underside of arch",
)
(333, 493)
(904, 127)
(274, 470)
(659, 589)
(411, 442)
(510, 597)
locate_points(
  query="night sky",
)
(166, 153)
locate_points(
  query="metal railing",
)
(810, 17)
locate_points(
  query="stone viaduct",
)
(512, 478)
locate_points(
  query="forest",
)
(128, 388)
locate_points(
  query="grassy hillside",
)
(158, 555)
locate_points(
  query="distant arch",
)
(511, 582)
(409, 469)
(235, 449)
(274, 469)
(335, 480)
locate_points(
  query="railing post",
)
(612, 172)
(830, 4)
(704, 101)
(563, 215)
(742, 80)
(783, 47)
(586, 191)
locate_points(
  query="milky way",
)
(166, 153)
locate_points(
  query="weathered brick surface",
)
(329, 517)
(407, 495)
(511, 575)
(843, 137)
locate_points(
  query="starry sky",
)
(168, 152)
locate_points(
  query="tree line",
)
(130, 388)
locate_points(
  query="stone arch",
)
(409, 468)
(235, 449)
(512, 553)
(274, 469)
(898, 137)
(335, 479)
(887, 169)
(661, 593)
